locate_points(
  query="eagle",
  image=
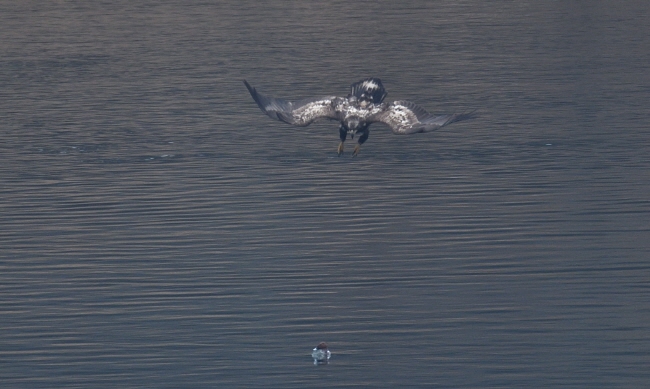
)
(363, 106)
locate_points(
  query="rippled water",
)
(158, 230)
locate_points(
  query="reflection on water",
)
(158, 230)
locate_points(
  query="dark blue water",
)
(157, 230)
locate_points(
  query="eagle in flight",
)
(356, 112)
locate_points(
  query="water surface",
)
(158, 230)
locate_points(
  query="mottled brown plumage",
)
(356, 112)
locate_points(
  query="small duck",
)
(321, 354)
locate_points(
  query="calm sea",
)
(157, 230)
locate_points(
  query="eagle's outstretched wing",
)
(405, 117)
(299, 113)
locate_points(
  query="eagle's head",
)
(353, 123)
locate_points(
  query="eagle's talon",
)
(340, 149)
(357, 148)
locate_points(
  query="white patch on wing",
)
(400, 114)
(399, 117)
(314, 109)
